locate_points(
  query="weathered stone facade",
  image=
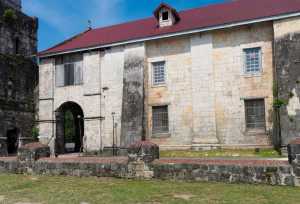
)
(18, 77)
(287, 62)
(205, 90)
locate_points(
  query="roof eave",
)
(217, 27)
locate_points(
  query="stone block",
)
(143, 150)
(33, 151)
(293, 149)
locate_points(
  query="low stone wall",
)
(234, 172)
(67, 168)
(229, 171)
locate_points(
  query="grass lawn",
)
(76, 190)
(262, 153)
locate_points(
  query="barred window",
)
(68, 70)
(255, 113)
(158, 73)
(252, 60)
(160, 119)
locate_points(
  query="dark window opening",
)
(12, 141)
(160, 119)
(17, 46)
(255, 114)
(165, 16)
(69, 70)
(69, 74)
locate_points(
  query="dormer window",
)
(166, 15)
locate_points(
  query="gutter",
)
(230, 25)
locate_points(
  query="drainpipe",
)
(100, 99)
(53, 111)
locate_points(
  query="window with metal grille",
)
(68, 70)
(255, 114)
(252, 60)
(158, 73)
(160, 119)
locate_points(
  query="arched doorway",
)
(69, 128)
(12, 141)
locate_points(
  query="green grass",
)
(263, 153)
(74, 190)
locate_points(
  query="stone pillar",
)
(46, 102)
(92, 92)
(203, 93)
(133, 94)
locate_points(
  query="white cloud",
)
(106, 12)
(100, 12)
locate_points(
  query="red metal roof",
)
(199, 18)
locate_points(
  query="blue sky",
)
(61, 19)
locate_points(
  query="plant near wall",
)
(9, 16)
(35, 133)
(277, 103)
(69, 126)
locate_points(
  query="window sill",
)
(161, 135)
(75, 85)
(254, 131)
(159, 85)
(252, 75)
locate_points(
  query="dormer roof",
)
(166, 6)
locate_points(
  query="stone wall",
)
(287, 61)
(102, 84)
(206, 88)
(112, 66)
(18, 33)
(274, 175)
(280, 174)
(232, 86)
(18, 79)
(175, 93)
(18, 74)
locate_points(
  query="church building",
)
(224, 75)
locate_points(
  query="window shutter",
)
(60, 75)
